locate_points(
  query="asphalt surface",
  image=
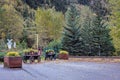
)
(63, 71)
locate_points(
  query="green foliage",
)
(30, 42)
(23, 45)
(102, 40)
(56, 45)
(3, 45)
(87, 18)
(115, 24)
(12, 22)
(22, 19)
(95, 33)
(49, 25)
(27, 40)
(2, 54)
(71, 40)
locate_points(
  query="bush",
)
(2, 54)
(21, 53)
(63, 52)
(117, 53)
(55, 45)
(14, 54)
(30, 42)
(22, 45)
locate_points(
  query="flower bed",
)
(31, 55)
(63, 55)
(50, 54)
(13, 60)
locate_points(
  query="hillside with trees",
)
(81, 27)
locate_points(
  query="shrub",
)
(63, 52)
(21, 53)
(30, 42)
(55, 44)
(22, 45)
(12, 54)
(2, 54)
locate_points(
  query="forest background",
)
(94, 23)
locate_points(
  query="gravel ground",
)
(63, 71)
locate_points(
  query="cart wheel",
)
(39, 59)
(31, 59)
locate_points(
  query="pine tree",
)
(71, 40)
(87, 18)
(87, 36)
(102, 41)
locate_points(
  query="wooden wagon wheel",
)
(31, 59)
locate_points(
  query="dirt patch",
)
(96, 59)
(88, 59)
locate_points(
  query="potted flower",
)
(13, 60)
(50, 54)
(63, 55)
(31, 55)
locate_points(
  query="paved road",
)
(63, 71)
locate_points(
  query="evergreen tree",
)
(87, 36)
(102, 41)
(71, 40)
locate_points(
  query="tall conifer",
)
(71, 40)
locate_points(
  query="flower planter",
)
(12, 62)
(63, 56)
